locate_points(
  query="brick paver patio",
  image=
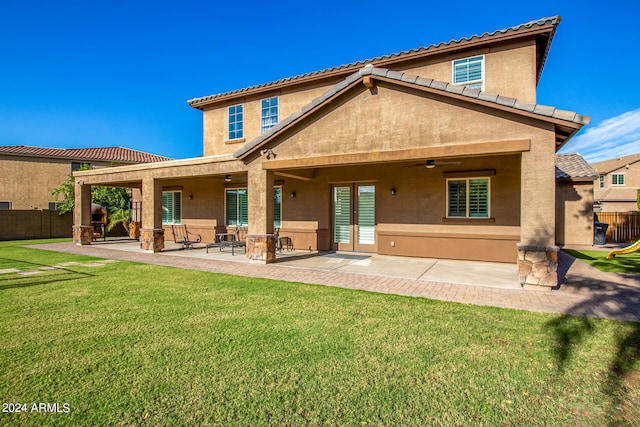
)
(584, 292)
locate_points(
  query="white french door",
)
(354, 217)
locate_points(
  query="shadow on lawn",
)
(607, 298)
(43, 277)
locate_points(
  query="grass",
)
(627, 263)
(132, 344)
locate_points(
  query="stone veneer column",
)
(82, 228)
(152, 240)
(538, 267)
(261, 246)
(82, 235)
(152, 233)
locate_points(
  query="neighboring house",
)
(574, 200)
(411, 154)
(616, 187)
(31, 174)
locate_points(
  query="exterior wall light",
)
(293, 194)
(393, 191)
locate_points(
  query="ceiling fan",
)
(433, 163)
(430, 164)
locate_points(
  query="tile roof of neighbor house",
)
(113, 154)
(574, 167)
(610, 165)
(346, 68)
(542, 111)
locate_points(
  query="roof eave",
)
(393, 59)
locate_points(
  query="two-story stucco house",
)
(616, 188)
(440, 151)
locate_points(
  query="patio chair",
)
(282, 242)
(183, 237)
(239, 240)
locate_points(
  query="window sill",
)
(468, 220)
(235, 141)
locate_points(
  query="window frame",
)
(173, 214)
(8, 205)
(238, 131)
(268, 109)
(467, 198)
(78, 165)
(55, 206)
(472, 84)
(277, 219)
(601, 181)
(616, 182)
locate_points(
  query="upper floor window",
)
(269, 113)
(171, 207)
(468, 198)
(601, 181)
(5, 205)
(469, 72)
(617, 179)
(236, 122)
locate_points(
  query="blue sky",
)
(119, 73)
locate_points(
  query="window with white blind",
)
(269, 113)
(236, 121)
(237, 207)
(172, 207)
(469, 72)
(468, 198)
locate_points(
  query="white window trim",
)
(174, 222)
(226, 220)
(229, 122)
(488, 178)
(470, 82)
(624, 179)
(262, 130)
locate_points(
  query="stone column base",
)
(152, 240)
(82, 234)
(134, 230)
(261, 248)
(538, 267)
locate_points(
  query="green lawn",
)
(628, 263)
(132, 344)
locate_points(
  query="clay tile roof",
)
(113, 154)
(368, 70)
(611, 165)
(574, 167)
(398, 57)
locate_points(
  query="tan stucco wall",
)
(574, 213)
(27, 182)
(510, 70)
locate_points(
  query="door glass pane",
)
(366, 214)
(341, 214)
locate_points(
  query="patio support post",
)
(537, 252)
(152, 233)
(82, 228)
(261, 244)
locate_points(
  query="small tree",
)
(114, 200)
